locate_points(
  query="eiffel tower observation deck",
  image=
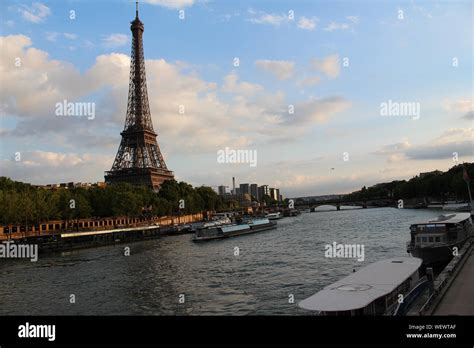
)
(139, 159)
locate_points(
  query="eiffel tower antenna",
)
(139, 159)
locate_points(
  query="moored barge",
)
(373, 290)
(434, 240)
(232, 230)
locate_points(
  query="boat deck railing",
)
(446, 277)
(403, 307)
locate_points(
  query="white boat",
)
(274, 216)
(373, 290)
(219, 222)
(232, 230)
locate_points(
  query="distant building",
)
(221, 190)
(273, 193)
(434, 172)
(254, 191)
(70, 185)
(237, 191)
(85, 185)
(244, 188)
(263, 191)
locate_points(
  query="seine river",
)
(270, 269)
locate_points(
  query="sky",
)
(307, 95)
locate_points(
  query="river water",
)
(271, 268)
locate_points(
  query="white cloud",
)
(55, 167)
(394, 152)
(38, 83)
(353, 19)
(332, 26)
(231, 85)
(228, 16)
(171, 4)
(282, 69)
(462, 105)
(309, 81)
(349, 24)
(115, 40)
(454, 135)
(459, 105)
(318, 110)
(329, 65)
(53, 36)
(455, 140)
(260, 17)
(35, 13)
(308, 23)
(70, 36)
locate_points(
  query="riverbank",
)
(84, 233)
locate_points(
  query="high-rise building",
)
(237, 191)
(277, 194)
(273, 193)
(244, 188)
(221, 190)
(263, 191)
(254, 191)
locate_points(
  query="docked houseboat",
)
(232, 230)
(372, 290)
(433, 240)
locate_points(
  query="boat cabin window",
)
(430, 239)
(423, 239)
(437, 239)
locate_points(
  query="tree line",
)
(22, 203)
(436, 186)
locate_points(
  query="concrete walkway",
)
(459, 299)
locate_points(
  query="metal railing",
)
(446, 278)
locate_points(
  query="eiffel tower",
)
(139, 159)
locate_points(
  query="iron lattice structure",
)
(139, 159)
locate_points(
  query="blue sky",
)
(400, 51)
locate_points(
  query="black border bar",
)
(207, 330)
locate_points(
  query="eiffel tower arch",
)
(139, 159)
